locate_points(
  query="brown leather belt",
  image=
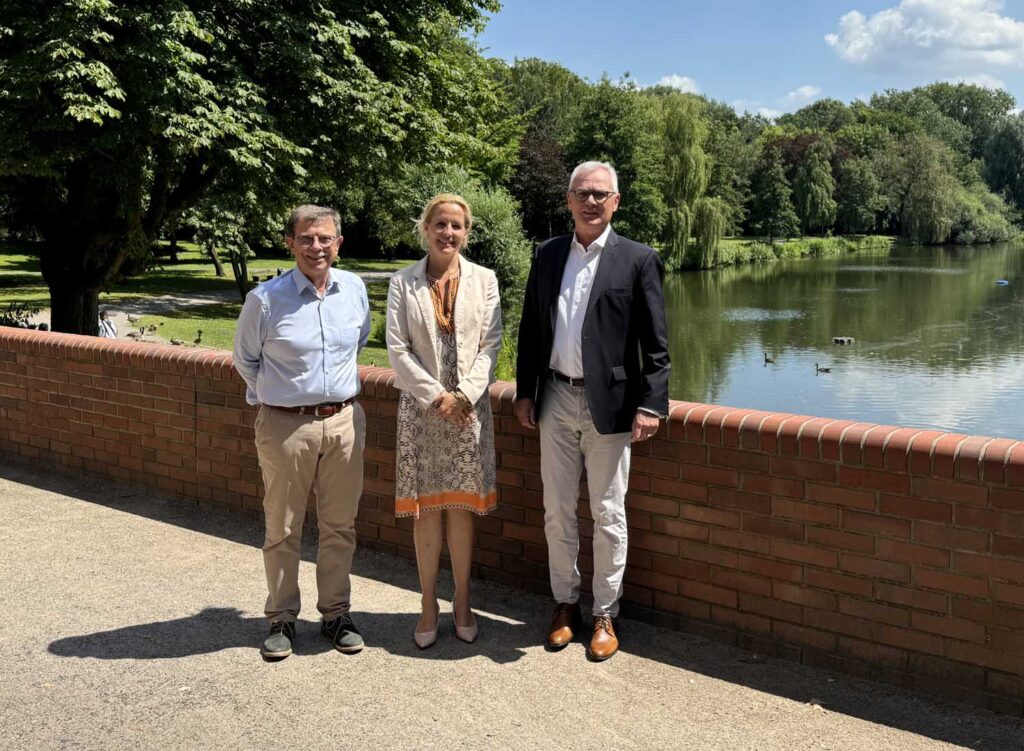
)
(566, 379)
(316, 410)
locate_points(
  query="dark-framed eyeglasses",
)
(307, 241)
(599, 196)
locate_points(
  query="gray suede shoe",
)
(278, 643)
(343, 634)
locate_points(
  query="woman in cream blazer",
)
(443, 334)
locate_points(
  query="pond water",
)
(939, 337)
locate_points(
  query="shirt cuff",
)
(651, 412)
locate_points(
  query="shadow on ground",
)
(521, 620)
(215, 629)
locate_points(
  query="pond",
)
(938, 337)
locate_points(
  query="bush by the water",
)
(735, 251)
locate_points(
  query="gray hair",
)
(586, 167)
(307, 212)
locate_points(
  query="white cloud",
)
(683, 83)
(802, 95)
(979, 79)
(953, 37)
(770, 112)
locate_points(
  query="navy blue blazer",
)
(625, 335)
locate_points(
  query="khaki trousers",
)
(297, 453)
(568, 442)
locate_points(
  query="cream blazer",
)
(413, 346)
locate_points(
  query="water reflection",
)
(938, 343)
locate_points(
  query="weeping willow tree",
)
(922, 189)
(687, 168)
(709, 219)
(815, 188)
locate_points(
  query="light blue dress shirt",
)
(295, 349)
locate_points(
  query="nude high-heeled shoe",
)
(424, 639)
(468, 633)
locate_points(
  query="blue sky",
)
(771, 55)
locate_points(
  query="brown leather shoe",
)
(566, 620)
(604, 643)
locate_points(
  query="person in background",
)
(296, 345)
(594, 378)
(107, 328)
(443, 335)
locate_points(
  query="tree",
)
(858, 197)
(1004, 160)
(117, 117)
(549, 92)
(921, 188)
(540, 183)
(686, 167)
(815, 187)
(623, 129)
(978, 108)
(771, 210)
(825, 114)
(732, 151)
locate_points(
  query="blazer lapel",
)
(466, 291)
(560, 256)
(422, 290)
(606, 270)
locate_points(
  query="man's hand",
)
(526, 413)
(644, 426)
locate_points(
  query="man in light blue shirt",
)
(296, 346)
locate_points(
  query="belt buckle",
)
(330, 410)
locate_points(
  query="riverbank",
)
(735, 251)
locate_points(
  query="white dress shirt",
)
(573, 296)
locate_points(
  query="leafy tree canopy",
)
(116, 117)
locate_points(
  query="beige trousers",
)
(297, 453)
(568, 442)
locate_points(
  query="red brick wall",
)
(886, 552)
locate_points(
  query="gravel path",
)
(133, 622)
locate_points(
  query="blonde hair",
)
(423, 223)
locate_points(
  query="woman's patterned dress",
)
(441, 465)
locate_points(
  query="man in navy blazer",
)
(592, 375)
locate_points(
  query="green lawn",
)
(192, 274)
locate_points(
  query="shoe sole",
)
(552, 647)
(344, 650)
(594, 658)
(275, 655)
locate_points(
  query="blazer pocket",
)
(612, 291)
(618, 373)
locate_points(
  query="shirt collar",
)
(598, 244)
(303, 283)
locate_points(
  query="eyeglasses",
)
(599, 196)
(307, 241)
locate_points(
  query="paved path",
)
(131, 622)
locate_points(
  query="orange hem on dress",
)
(458, 499)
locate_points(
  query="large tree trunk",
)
(212, 253)
(74, 309)
(240, 268)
